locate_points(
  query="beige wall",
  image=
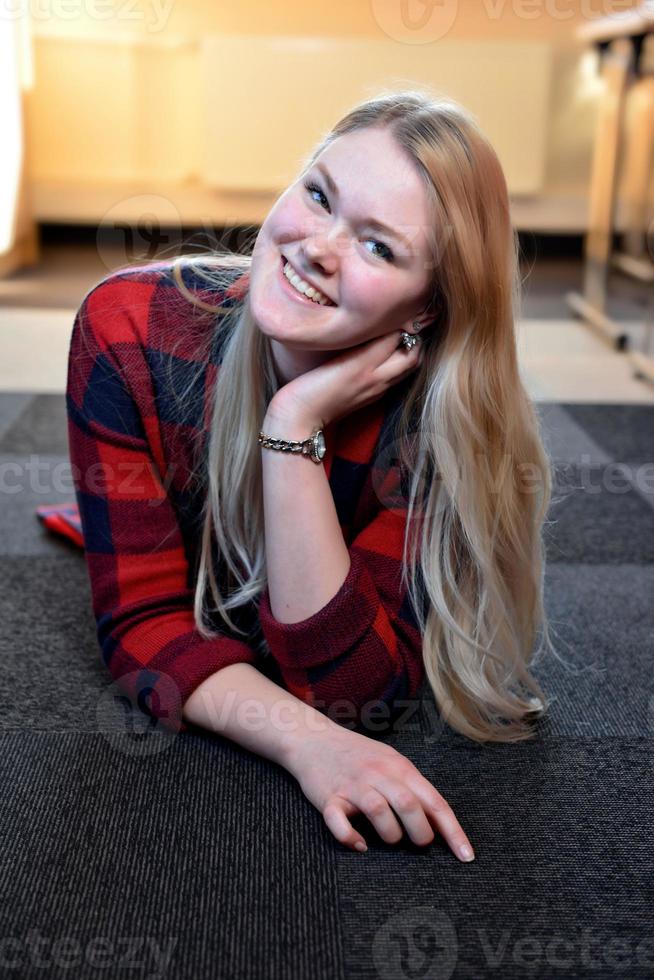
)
(517, 19)
(121, 95)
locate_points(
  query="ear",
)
(421, 322)
(431, 314)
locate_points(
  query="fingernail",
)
(466, 852)
(360, 846)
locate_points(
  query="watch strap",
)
(304, 447)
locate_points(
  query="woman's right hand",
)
(342, 772)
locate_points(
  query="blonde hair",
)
(474, 557)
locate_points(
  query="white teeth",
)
(304, 287)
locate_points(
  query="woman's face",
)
(377, 280)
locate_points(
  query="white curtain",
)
(16, 75)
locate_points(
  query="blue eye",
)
(388, 257)
(313, 187)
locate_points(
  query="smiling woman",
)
(377, 285)
(419, 173)
(373, 324)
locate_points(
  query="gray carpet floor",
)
(188, 856)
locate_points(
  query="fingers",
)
(419, 811)
(375, 802)
(441, 814)
(399, 363)
(335, 815)
(385, 801)
(374, 805)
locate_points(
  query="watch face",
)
(321, 448)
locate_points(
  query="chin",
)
(276, 332)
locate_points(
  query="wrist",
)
(293, 416)
(303, 741)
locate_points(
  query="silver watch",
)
(314, 447)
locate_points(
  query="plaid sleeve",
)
(137, 565)
(363, 648)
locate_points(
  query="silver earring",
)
(410, 340)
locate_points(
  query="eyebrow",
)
(371, 222)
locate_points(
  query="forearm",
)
(244, 705)
(307, 559)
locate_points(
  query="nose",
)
(325, 249)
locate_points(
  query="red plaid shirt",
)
(140, 496)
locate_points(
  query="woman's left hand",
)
(354, 378)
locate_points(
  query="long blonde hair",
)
(474, 556)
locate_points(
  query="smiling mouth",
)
(284, 262)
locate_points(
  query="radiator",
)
(266, 101)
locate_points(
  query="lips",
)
(330, 302)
